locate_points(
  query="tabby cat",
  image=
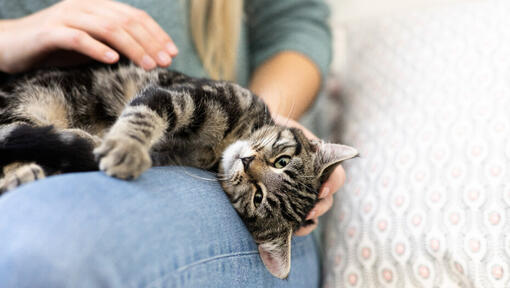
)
(124, 120)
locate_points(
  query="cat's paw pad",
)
(21, 175)
(122, 158)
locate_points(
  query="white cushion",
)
(426, 100)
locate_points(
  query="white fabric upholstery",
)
(426, 100)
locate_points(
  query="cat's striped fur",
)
(57, 121)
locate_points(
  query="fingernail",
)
(164, 58)
(311, 215)
(172, 49)
(110, 56)
(325, 192)
(148, 62)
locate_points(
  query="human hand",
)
(334, 182)
(99, 29)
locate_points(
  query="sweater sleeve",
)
(289, 25)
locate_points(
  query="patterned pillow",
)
(426, 100)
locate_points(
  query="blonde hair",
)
(215, 27)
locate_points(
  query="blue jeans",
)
(166, 229)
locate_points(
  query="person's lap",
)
(166, 229)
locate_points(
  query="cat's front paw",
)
(122, 158)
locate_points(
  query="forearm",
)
(3, 24)
(288, 83)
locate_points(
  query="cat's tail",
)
(51, 149)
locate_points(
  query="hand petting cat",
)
(98, 29)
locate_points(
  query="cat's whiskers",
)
(269, 140)
(201, 178)
(237, 180)
(290, 112)
(265, 139)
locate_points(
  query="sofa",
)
(423, 91)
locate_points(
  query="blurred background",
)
(345, 11)
(422, 89)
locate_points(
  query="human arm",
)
(288, 83)
(100, 30)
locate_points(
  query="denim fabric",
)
(166, 229)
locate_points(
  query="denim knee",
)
(31, 263)
(165, 229)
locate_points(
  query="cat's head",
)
(273, 180)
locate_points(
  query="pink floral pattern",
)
(426, 100)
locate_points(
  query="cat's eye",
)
(281, 162)
(257, 197)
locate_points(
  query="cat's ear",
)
(276, 255)
(329, 155)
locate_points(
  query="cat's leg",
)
(16, 174)
(63, 152)
(75, 132)
(58, 151)
(124, 152)
(6, 129)
(43, 137)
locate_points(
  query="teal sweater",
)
(269, 27)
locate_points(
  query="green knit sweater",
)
(269, 27)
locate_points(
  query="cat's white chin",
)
(231, 160)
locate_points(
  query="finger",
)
(335, 181)
(321, 207)
(126, 45)
(303, 231)
(80, 41)
(163, 37)
(132, 21)
(149, 44)
(112, 32)
(151, 26)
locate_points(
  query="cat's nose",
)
(246, 161)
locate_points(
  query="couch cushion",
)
(426, 100)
